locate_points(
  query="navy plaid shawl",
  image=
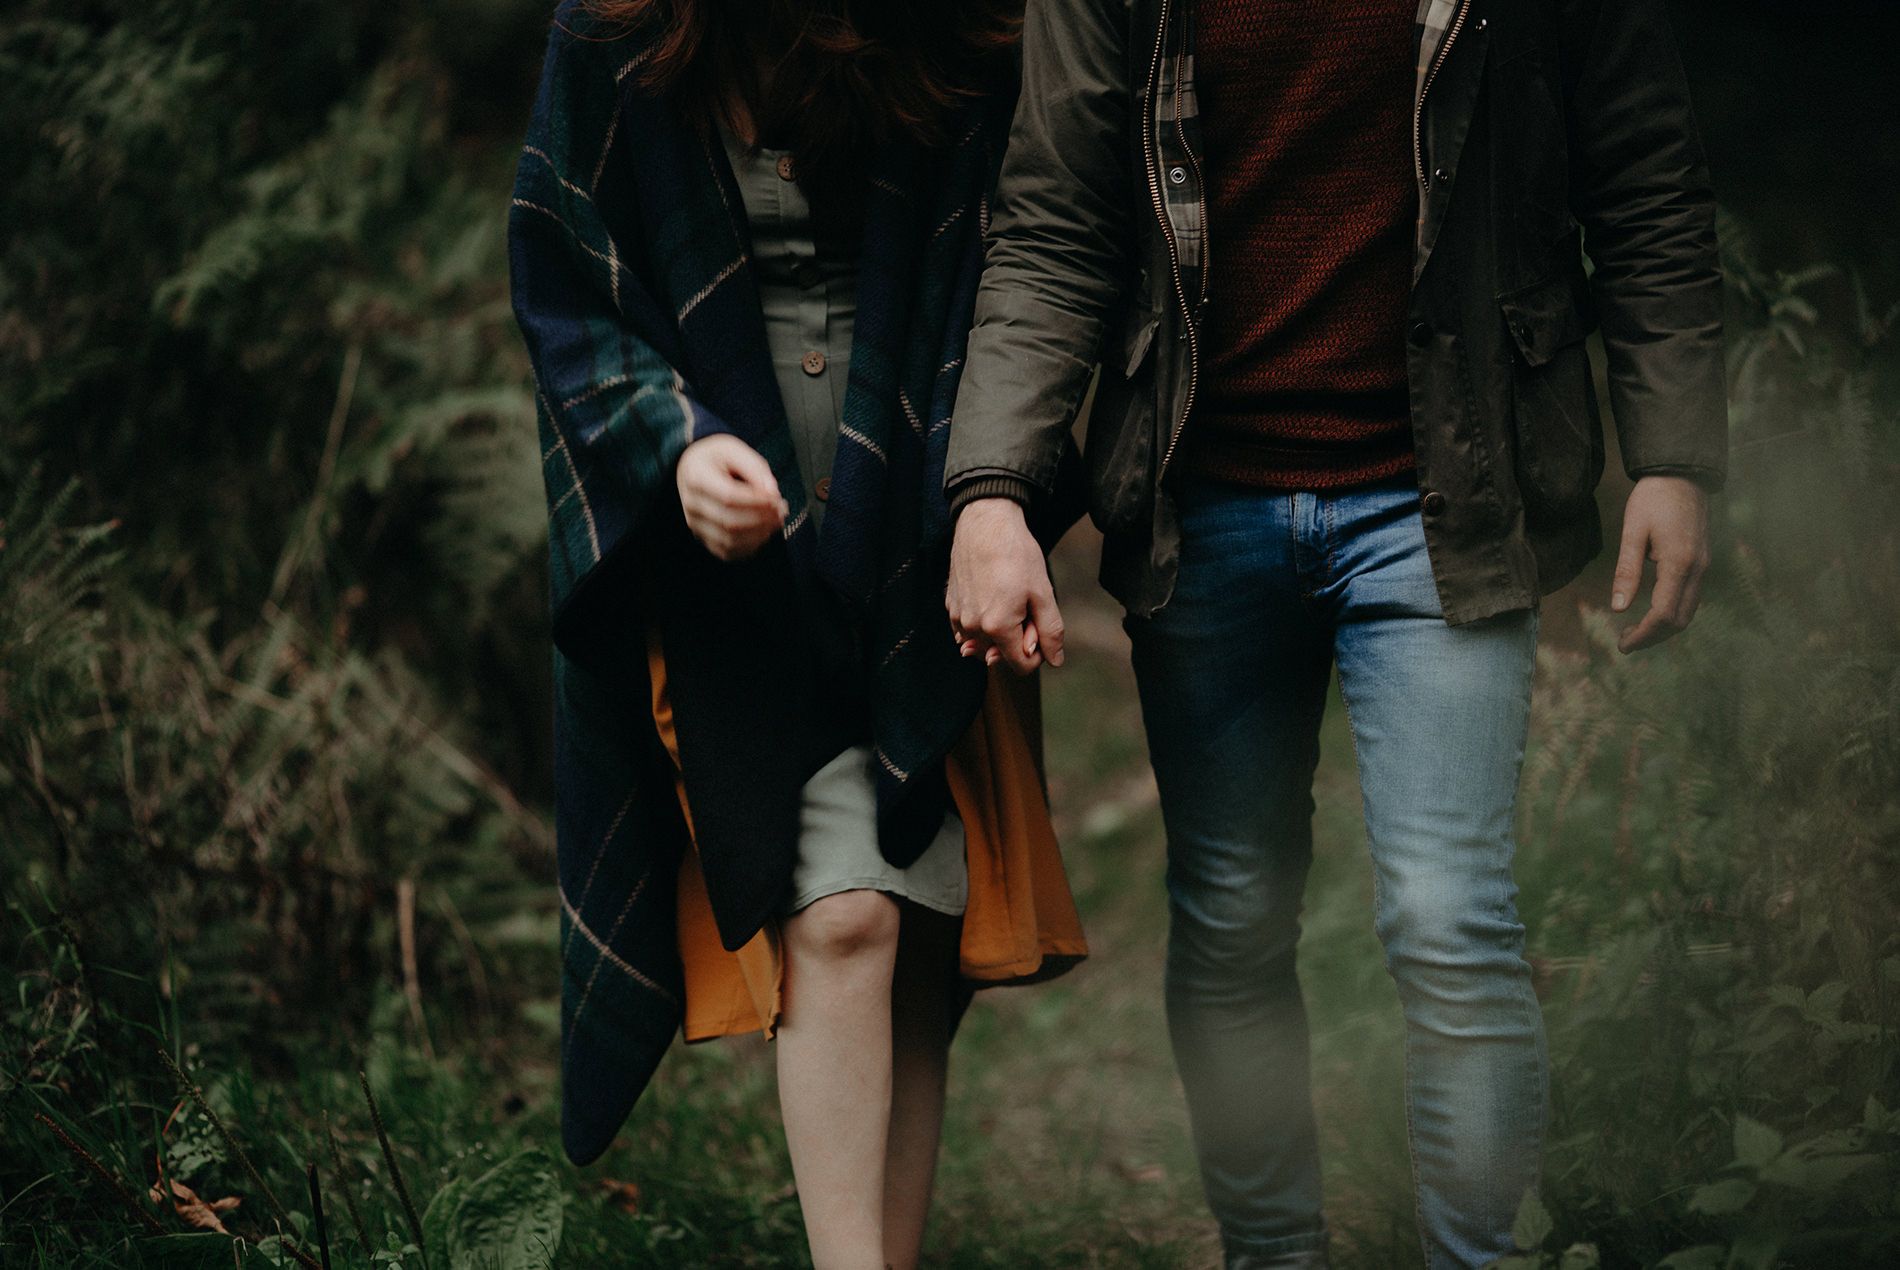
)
(629, 259)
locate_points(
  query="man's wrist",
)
(1710, 479)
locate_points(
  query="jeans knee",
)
(1252, 949)
(1431, 945)
(845, 925)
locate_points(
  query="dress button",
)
(1439, 174)
(814, 363)
(822, 488)
(1434, 503)
(786, 171)
(1178, 175)
(1419, 333)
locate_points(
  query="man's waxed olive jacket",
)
(1544, 128)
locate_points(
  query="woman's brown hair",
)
(829, 80)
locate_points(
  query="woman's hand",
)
(729, 495)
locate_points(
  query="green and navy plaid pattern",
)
(629, 257)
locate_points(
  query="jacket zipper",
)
(1151, 152)
(1418, 107)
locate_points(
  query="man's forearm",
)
(1058, 251)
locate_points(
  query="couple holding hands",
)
(814, 291)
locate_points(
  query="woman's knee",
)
(848, 924)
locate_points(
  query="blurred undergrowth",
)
(271, 654)
(1712, 837)
(253, 314)
(272, 703)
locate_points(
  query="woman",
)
(744, 245)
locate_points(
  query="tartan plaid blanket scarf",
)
(629, 262)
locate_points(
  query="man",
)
(1329, 258)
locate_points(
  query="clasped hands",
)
(1001, 603)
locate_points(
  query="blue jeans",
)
(1274, 588)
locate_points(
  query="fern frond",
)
(48, 575)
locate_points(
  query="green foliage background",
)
(273, 744)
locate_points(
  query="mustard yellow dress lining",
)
(1020, 925)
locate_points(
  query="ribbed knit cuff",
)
(1711, 479)
(1015, 488)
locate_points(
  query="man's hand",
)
(1000, 601)
(1665, 520)
(729, 495)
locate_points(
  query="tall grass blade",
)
(343, 1184)
(103, 1174)
(316, 1215)
(395, 1170)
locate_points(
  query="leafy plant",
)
(1530, 1231)
(509, 1218)
(1722, 984)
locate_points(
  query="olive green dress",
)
(810, 302)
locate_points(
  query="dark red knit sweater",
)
(1306, 113)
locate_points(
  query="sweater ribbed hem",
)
(1273, 460)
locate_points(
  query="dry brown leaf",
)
(194, 1211)
(622, 1195)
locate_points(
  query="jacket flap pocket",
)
(1141, 337)
(1545, 317)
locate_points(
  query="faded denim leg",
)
(1232, 676)
(1439, 716)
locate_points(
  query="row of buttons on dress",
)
(813, 362)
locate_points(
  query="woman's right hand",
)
(729, 495)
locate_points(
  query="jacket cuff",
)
(994, 485)
(1711, 479)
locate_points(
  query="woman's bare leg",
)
(920, 1043)
(834, 1071)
